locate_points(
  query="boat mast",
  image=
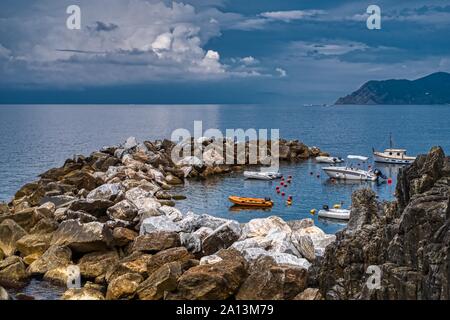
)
(390, 140)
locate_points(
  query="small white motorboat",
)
(391, 155)
(258, 175)
(334, 213)
(349, 173)
(331, 160)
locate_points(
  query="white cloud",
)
(291, 15)
(282, 72)
(151, 40)
(249, 60)
(327, 48)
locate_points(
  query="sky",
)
(214, 51)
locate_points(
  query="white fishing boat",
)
(393, 155)
(258, 175)
(331, 160)
(348, 172)
(333, 213)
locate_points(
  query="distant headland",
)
(431, 89)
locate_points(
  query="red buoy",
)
(290, 177)
(389, 181)
(283, 194)
(282, 182)
(278, 190)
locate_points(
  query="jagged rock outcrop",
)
(408, 239)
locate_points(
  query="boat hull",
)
(393, 160)
(340, 214)
(257, 175)
(251, 202)
(347, 174)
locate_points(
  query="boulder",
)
(47, 209)
(130, 143)
(270, 281)
(282, 242)
(108, 191)
(192, 222)
(191, 241)
(172, 213)
(161, 281)
(300, 224)
(33, 243)
(83, 294)
(10, 232)
(95, 264)
(262, 227)
(123, 210)
(319, 238)
(95, 207)
(57, 276)
(221, 238)
(252, 254)
(134, 263)
(123, 236)
(173, 180)
(309, 294)
(305, 246)
(156, 241)
(4, 294)
(179, 254)
(13, 272)
(45, 225)
(158, 223)
(55, 257)
(87, 237)
(216, 281)
(26, 218)
(124, 286)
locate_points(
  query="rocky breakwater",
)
(111, 214)
(408, 239)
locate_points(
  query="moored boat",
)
(334, 213)
(392, 155)
(349, 173)
(260, 175)
(251, 202)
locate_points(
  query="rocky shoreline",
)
(112, 215)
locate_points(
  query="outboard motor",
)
(325, 207)
(380, 174)
(267, 199)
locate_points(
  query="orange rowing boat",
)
(251, 202)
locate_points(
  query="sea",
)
(35, 138)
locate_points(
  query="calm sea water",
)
(38, 137)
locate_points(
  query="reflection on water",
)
(309, 191)
(38, 290)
